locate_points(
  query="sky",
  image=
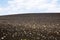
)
(29, 6)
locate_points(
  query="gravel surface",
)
(32, 28)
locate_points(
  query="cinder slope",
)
(30, 27)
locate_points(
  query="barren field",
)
(44, 26)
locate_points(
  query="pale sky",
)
(28, 6)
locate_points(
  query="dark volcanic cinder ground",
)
(30, 27)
